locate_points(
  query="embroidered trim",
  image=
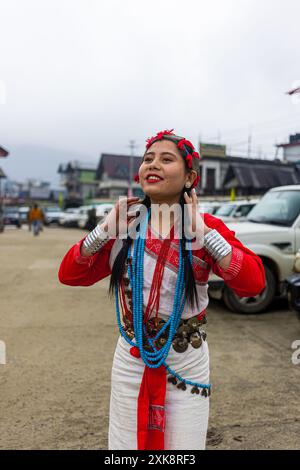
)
(157, 417)
(235, 265)
(201, 274)
(200, 267)
(156, 242)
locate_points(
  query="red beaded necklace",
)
(154, 296)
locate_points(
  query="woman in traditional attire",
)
(160, 374)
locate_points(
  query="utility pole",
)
(259, 152)
(276, 151)
(132, 147)
(249, 145)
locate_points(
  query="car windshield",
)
(277, 208)
(243, 210)
(207, 208)
(225, 210)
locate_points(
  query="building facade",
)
(79, 180)
(247, 176)
(113, 175)
(291, 150)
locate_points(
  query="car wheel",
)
(256, 304)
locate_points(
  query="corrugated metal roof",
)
(260, 176)
(117, 166)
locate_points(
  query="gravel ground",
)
(60, 341)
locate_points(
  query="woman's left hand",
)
(195, 225)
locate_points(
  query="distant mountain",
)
(31, 161)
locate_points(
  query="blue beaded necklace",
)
(156, 358)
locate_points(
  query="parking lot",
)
(60, 342)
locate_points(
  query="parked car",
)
(101, 211)
(52, 215)
(83, 216)
(210, 206)
(233, 211)
(272, 231)
(11, 216)
(69, 218)
(23, 212)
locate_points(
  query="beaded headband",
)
(191, 156)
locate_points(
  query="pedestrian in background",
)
(36, 219)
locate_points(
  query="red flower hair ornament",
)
(189, 160)
(158, 136)
(183, 142)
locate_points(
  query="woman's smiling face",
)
(164, 160)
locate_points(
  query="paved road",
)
(60, 342)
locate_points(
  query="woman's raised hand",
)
(118, 220)
(194, 222)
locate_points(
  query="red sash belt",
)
(151, 417)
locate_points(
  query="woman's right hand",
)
(112, 223)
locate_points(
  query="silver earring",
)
(188, 185)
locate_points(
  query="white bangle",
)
(216, 245)
(95, 240)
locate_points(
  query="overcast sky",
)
(82, 77)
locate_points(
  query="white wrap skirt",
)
(186, 413)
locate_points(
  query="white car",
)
(83, 216)
(210, 207)
(235, 211)
(272, 231)
(24, 211)
(52, 215)
(69, 218)
(101, 211)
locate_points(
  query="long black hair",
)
(118, 268)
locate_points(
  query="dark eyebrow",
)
(162, 153)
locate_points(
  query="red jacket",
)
(245, 274)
